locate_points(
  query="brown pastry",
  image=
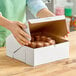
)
(37, 38)
(46, 44)
(33, 45)
(48, 39)
(39, 44)
(52, 42)
(43, 38)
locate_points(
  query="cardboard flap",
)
(55, 25)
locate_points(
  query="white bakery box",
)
(54, 27)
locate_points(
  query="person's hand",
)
(17, 29)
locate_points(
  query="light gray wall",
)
(74, 7)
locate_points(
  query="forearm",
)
(44, 13)
(5, 22)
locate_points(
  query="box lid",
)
(55, 25)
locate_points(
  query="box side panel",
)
(11, 45)
(20, 54)
(9, 52)
(43, 55)
(30, 56)
(52, 53)
(62, 50)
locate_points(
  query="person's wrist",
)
(5, 22)
(9, 25)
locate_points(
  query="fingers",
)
(23, 26)
(19, 40)
(24, 34)
(19, 33)
(21, 36)
(21, 30)
(23, 39)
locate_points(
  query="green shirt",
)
(13, 9)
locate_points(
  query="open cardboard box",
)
(54, 27)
